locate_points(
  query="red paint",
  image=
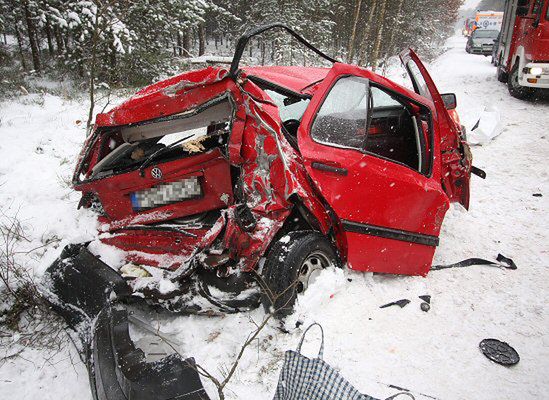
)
(375, 191)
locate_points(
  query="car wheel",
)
(292, 264)
(515, 89)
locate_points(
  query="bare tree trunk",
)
(201, 39)
(395, 27)
(179, 44)
(187, 42)
(377, 46)
(351, 46)
(58, 39)
(20, 47)
(32, 37)
(95, 39)
(48, 37)
(365, 38)
(112, 61)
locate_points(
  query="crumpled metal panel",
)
(271, 170)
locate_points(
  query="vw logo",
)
(156, 173)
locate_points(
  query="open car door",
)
(455, 152)
(367, 148)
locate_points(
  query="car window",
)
(420, 86)
(394, 132)
(536, 8)
(341, 120)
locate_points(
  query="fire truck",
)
(522, 57)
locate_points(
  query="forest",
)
(133, 42)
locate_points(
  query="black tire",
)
(517, 91)
(283, 271)
(502, 75)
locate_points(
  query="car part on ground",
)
(401, 303)
(499, 352)
(501, 262)
(89, 294)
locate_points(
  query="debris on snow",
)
(401, 303)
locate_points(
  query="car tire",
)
(290, 265)
(516, 90)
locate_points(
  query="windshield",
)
(482, 34)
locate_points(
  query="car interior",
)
(394, 132)
(131, 147)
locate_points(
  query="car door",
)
(455, 153)
(390, 210)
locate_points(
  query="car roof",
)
(293, 78)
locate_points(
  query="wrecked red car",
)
(264, 175)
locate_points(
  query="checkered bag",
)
(303, 378)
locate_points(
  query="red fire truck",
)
(522, 57)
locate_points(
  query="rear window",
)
(163, 139)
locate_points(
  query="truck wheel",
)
(502, 75)
(515, 89)
(291, 265)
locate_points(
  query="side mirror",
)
(450, 101)
(522, 11)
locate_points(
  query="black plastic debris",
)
(502, 262)
(401, 303)
(425, 306)
(426, 298)
(89, 295)
(120, 371)
(499, 352)
(537, 195)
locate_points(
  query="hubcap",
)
(310, 269)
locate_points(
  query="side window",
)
(341, 120)
(420, 86)
(536, 8)
(396, 132)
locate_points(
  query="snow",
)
(435, 353)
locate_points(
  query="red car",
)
(280, 171)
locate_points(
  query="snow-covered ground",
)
(434, 353)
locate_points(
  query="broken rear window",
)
(164, 139)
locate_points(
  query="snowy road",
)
(434, 353)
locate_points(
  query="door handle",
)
(329, 168)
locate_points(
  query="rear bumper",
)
(84, 290)
(540, 81)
